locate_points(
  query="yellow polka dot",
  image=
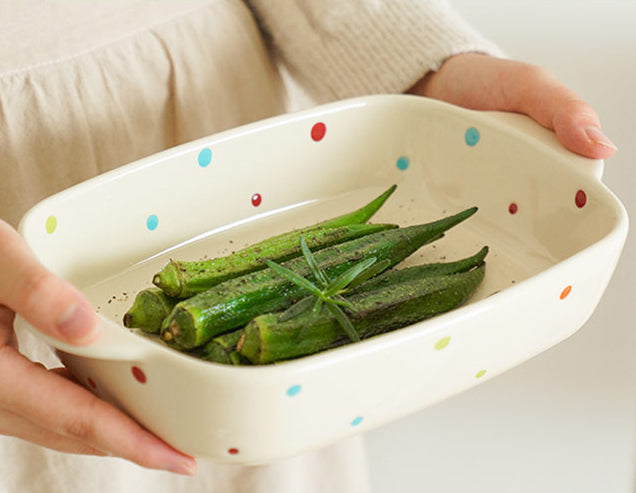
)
(51, 224)
(442, 343)
(480, 373)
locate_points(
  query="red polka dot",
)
(256, 199)
(318, 131)
(513, 208)
(233, 451)
(91, 382)
(138, 373)
(580, 199)
(566, 291)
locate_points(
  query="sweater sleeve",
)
(337, 49)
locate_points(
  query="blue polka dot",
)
(205, 156)
(152, 222)
(293, 390)
(356, 421)
(402, 163)
(472, 136)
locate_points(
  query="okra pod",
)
(183, 279)
(395, 276)
(222, 349)
(235, 302)
(267, 339)
(150, 308)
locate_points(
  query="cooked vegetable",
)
(395, 276)
(267, 339)
(150, 308)
(222, 349)
(183, 279)
(235, 302)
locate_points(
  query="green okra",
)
(235, 302)
(222, 349)
(150, 308)
(395, 276)
(268, 339)
(185, 278)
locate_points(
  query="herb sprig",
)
(328, 292)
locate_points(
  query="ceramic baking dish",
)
(554, 230)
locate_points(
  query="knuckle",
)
(81, 426)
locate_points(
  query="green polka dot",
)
(51, 224)
(480, 373)
(442, 343)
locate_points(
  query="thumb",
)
(46, 301)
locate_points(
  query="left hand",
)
(482, 82)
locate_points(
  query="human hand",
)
(48, 407)
(482, 82)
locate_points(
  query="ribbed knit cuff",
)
(344, 48)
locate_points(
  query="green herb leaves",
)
(330, 292)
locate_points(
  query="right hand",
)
(47, 407)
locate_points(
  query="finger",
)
(7, 334)
(537, 93)
(43, 299)
(64, 408)
(19, 427)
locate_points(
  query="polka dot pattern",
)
(402, 163)
(472, 136)
(580, 199)
(152, 222)
(294, 390)
(138, 374)
(205, 157)
(51, 224)
(356, 421)
(442, 343)
(566, 292)
(318, 131)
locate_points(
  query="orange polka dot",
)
(565, 292)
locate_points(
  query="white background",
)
(564, 421)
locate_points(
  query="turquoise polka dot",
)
(357, 421)
(152, 222)
(293, 390)
(402, 163)
(472, 136)
(205, 157)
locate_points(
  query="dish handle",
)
(532, 130)
(113, 343)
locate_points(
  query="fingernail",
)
(597, 136)
(77, 323)
(187, 467)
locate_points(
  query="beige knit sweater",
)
(86, 86)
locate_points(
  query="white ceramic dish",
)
(554, 230)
